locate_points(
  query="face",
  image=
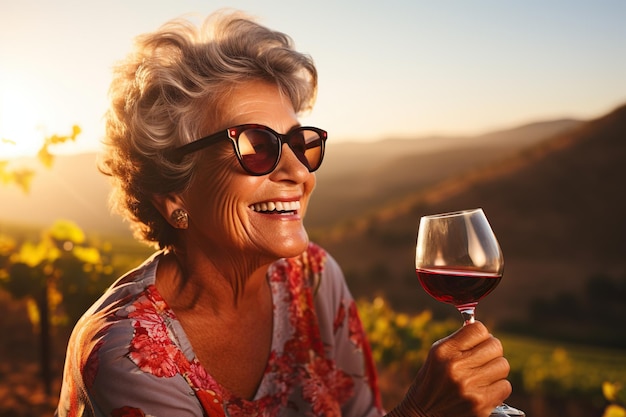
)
(230, 216)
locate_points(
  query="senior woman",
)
(237, 313)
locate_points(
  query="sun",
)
(22, 123)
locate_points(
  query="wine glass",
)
(458, 261)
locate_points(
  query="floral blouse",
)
(129, 356)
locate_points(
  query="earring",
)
(180, 218)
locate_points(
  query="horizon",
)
(69, 148)
(412, 71)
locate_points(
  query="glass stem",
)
(467, 312)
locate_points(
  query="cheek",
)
(216, 167)
(230, 222)
(309, 186)
(222, 202)
(212, 197)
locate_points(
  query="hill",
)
(360, 178)
(556, 208)
(357, 178)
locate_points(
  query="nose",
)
(290, 167)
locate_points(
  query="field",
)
(549, 378)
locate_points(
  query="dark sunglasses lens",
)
(259, 150)
(307, 145)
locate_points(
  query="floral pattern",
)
(137, 345)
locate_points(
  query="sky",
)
(393, 68)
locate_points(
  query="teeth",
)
(279, 206)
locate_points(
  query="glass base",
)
(504, 410)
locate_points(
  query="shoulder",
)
(128, 287)
(122, 343)
(106, 320)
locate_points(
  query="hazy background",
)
(516, 107)
(398, 68)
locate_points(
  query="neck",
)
(193, 286)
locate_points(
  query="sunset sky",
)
(395, 68)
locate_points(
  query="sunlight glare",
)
(21, 122)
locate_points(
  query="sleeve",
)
(346, 342)
(100, 380)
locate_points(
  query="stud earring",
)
(180, 218)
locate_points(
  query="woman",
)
(238, 313)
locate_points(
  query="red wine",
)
(457, 287)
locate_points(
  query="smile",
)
(276, 207)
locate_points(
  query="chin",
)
(293, 247)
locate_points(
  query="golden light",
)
(22, 123)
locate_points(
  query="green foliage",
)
(71, 272)
(400, 343)
(617, 398)
(22, 177)
(44, 155)
(78, 268)
(399, 338)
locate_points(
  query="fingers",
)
(473, 334)
(475, 359)
(488, 398)
(485, 375)
(499, 391)
(486, 350)
(498, 368)
(463, 373)
(464, 339)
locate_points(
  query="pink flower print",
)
(357, 335)
(152, 355)
(339, 318)
(327, 388)
(199, 377)
(316, 258)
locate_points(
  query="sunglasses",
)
(258, 148)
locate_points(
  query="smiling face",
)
(234, 215)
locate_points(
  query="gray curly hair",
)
(170, 88)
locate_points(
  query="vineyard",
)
(546, 376)
(71, 270)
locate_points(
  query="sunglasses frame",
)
(233, 134)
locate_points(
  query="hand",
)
(464, 375)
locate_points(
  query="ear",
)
(166, 204)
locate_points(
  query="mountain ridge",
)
(74, 189)
(549, 206)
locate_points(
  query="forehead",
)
(257, 102)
